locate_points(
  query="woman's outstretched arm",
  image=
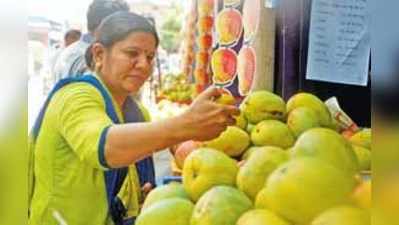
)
(204, 120)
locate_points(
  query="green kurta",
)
(69, 175)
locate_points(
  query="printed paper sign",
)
(339, 42)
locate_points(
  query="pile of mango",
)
(283, 163)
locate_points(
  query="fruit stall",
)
(229, 44)
(176, 88)
(294, 162)
(296, 155)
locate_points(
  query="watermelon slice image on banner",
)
(229, 26)
(224, 66)
(232, 2)
(246, 69)
(251, 14)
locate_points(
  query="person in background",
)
(91, 133)
(71, 36)
(71, 62)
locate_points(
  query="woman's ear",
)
(98, 55)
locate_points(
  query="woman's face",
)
(128, 63)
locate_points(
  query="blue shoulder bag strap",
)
(145, 167)
(113, 178)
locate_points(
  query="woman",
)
(84, 152)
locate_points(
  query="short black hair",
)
(99, 9)
(72, 32)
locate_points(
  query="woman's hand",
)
(206, 119)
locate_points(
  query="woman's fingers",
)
(231, 110)
(231, 121)
(225, 120)
(208, 118)
(225, 109)
(208, 94)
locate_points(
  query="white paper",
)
(339, 42)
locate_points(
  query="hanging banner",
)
(339, 42)
(224, 66)
(233, 62)
(229, 26)
(246, 69)
(251, 16)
